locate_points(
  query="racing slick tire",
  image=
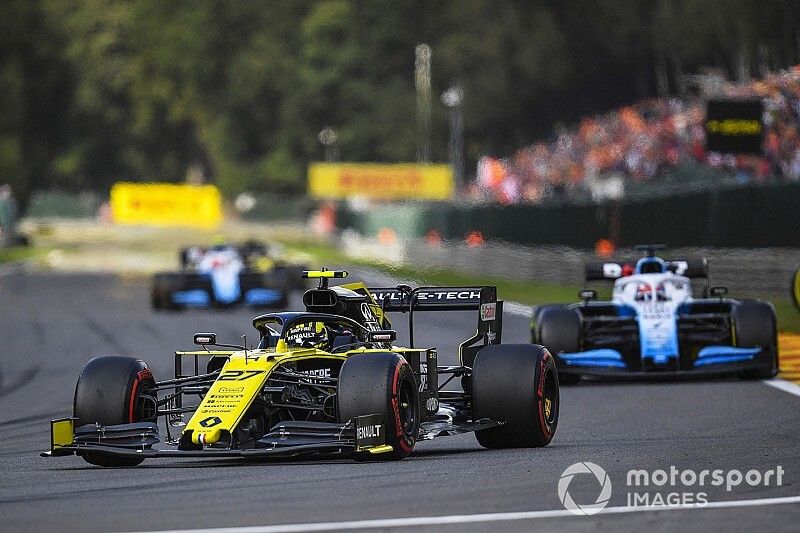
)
(381, 383)
(755, 324)
(297, 281)
(536, 318)
(266, 280)
(280, 278)
(165, 284)
(595, 271)
(183, 258)
(114, 390)
(516, 384)
(559, 329)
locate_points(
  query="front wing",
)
(608, 363)
(284, 440)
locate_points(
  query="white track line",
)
(518, 309)
(782, 384)
(416, 521)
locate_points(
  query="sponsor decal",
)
(317, 372)
(423, 378)
(432, 404)
(166, 204)
(210, 422)
(385, 181)
(367, 313)
(368, 432)
(488, 311)
(231, 389)
(439, 296)
(370, 320)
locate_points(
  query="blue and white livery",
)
(221, 276)
(653, 325)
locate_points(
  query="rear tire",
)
(280, 278)
(297, 281)
(755, 324)
(559, 329)
(274, 279)
(381, 383)
(165, 284)
(516, 384)
(110, 391)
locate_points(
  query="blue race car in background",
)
(223, 276)
(654, 326)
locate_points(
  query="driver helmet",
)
(308, 335)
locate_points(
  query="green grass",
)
(17, 253)
(788, 315)
(526, 292)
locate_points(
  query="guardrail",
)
(744, 216)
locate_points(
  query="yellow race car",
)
(329, 380)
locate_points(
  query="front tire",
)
(559, 329)
(165, 284)
(114, 390)
(384, 384)
(755, 325)
(516, 384)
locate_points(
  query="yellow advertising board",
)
(380, 181)
(166, 204)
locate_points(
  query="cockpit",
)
(327, 333)
(650, 265)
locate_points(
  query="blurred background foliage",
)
(95, 91)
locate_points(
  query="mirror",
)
(719, 291)
(382, 335)
(204, 339)
(587, 294)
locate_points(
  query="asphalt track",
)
(53, 323)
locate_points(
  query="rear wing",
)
(484, 300)
(696, 268)
(404, 299)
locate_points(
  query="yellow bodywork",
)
(240, 381)
(238, 384)
(61, 432)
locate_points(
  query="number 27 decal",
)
(239, 375)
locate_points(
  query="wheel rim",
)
(408, 412)
(550, 396)
(796, 288)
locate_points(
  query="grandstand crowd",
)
(644, 143)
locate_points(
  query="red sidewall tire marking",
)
(396, 409)
(141, 376)
(540, 396)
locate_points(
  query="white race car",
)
(654, 326)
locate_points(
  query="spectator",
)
(644, 141)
